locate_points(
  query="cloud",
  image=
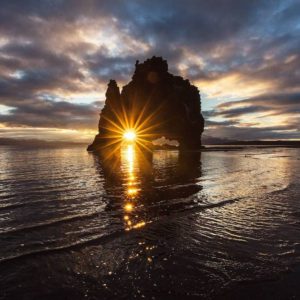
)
(56, 58)
(276, 104)
(254, 133)
(262, 117)
(47, 113)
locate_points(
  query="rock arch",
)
(157, 103)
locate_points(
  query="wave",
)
(105, 238)
(51, 222)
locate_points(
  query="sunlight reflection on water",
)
(173, 222)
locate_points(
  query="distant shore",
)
(226, 146)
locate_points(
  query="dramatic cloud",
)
(264, 117)
(57, 56)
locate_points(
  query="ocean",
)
(210, 225)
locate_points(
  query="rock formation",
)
(155, 103)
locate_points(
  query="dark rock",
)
(155, 103)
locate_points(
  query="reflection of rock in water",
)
(189, 164)
(147, 190)
(155, 103)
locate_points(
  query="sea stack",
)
(156, 103)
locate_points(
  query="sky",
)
(56, 58)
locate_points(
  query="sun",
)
(129, 135)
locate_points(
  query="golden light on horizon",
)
(131, 127)
(129, 135)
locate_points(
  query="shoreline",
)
(205, 148)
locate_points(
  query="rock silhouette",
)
(155, 103)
